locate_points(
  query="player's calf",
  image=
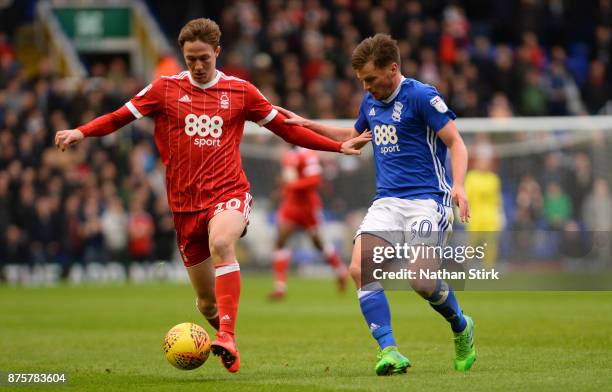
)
(342, 278)
(333, 259)
(443, 301)
(280, 266)
(355, 272)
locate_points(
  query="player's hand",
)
(460, 199)
(353, 146)
(292, 118)
(67, 138)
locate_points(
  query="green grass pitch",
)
(108, 338)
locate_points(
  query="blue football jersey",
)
(409, 156)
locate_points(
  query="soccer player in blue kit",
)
(412, 130)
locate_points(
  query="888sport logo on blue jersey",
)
(385, 137)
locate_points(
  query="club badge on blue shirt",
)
(397, 111)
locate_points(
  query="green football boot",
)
(465, 353)
(391, 361)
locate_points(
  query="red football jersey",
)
(198, 129)
(301, 171)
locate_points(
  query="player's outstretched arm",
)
(304, 137)
(459, 158)
(354, 145)
(67, 138)
(336, 133)
(97, 127)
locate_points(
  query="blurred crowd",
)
(559, 189)
(541, 57)
(105, 200)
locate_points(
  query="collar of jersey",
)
(397, 90)
(206, 85)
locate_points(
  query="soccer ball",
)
(187, 346)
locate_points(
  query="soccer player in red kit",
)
(301, 209)
(199, 120)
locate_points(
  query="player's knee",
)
(207, 306)
(222, 247)
(423, 287)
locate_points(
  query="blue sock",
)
(444, 302)
(377, 314)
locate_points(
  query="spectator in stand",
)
(140, 231)
(597, 208)
(164, 230)
(234, 66)
(596, 91)
(73, 239)
(114, 223)
(91, 231)
(557, 206)
(16, 249)
(46, 232)
(5, 206)
(553, 170)
(597, 215)
(579, 182)
(167, 66)
(533, 96)
(529, 203)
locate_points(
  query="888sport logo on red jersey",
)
(206, 130)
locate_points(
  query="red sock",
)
(333, 259)
(227, 290)
(280, 264)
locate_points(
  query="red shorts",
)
(192, 227)
(306, 217)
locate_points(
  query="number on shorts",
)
(424, 229)
(232, 204)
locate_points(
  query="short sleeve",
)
(258, 108)
(433, 109)
(362, 121)
(147, 101)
